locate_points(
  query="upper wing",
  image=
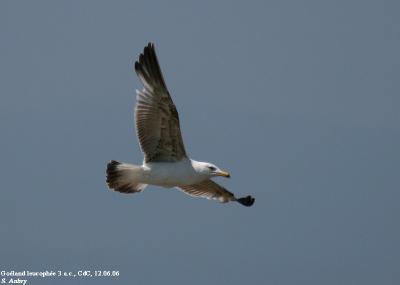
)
(210, 190)
(157, 120)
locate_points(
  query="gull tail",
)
(124, 178)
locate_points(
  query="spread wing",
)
(157, 120)
(210, 190)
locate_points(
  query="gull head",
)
(210, 170)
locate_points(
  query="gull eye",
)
(212, 168)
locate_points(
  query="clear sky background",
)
(299, 100)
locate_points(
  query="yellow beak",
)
(223, 173)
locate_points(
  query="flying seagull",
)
(165, 162)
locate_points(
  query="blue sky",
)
(299, 100)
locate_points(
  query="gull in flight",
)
(165, 162)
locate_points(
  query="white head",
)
(209, 169)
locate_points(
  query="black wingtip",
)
(150, 46)
(148, 69)
(246, 201)
(137, 66)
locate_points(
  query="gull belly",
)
(171, 174)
